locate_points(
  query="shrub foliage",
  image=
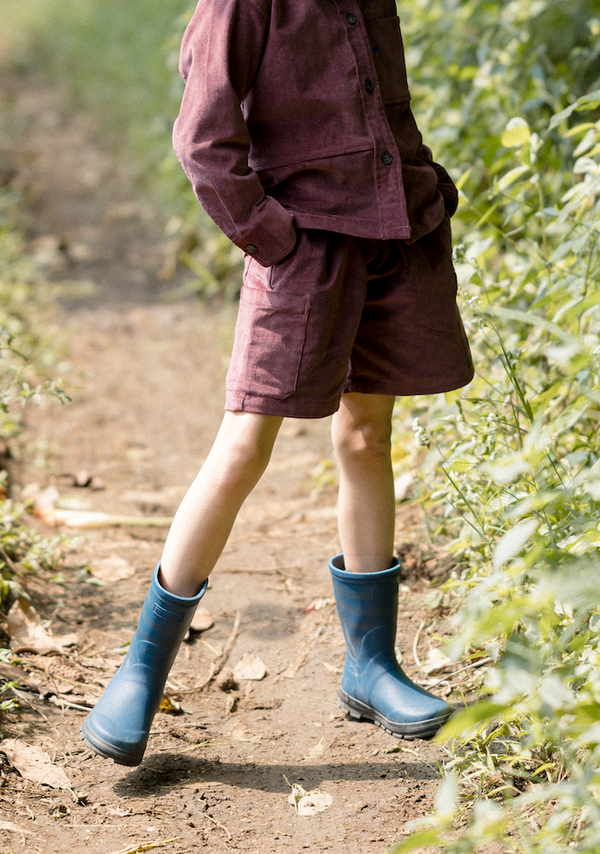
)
(512, 470)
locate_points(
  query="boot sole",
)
(107, 750)
(417, 729)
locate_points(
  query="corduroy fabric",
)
(344, 314)
(297, 113)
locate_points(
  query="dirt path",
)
(147, 398)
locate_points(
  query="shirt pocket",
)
(269, 341)
(388, 51)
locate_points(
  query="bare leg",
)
(203, 522)
(361, 434)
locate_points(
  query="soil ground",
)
(146, 381)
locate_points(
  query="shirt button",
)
(352, 19)
(387, 158)
(251, 249)
(369, 86)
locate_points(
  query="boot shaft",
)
(367, 605)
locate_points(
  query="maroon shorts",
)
(347, 314)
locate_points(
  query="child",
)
(296, 133)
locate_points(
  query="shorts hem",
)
(240, 401)
(413, 386)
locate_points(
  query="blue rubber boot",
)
(119, 724)
(374, 686)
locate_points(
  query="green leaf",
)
(512, 176)
(517, 133)
(418, 840)
(588, 102)
(514, 541)
(463, 721)
(463, 179)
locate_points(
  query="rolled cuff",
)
(272, 237)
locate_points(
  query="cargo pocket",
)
(388, 51)
(269, 340)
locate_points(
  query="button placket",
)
(388, 172)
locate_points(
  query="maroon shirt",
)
(296, 112)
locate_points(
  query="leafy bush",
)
(521, 500)
(473, 65)
(511, 474)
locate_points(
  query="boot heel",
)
(352, 713)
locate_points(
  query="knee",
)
(242, 460)
(365, 440)
(242, 449)
(248, 459)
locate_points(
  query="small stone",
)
(225, 680)
(249, 667)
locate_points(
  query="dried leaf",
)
(27, 633)
(13, 673)
(111, 569)
(317, 750)
(309, 803)
(225, 681)
(202, 620)
(249, 667)
(171, 707)
(317, 604)
(436, 661)
(33, 764)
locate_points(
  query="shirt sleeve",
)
(220, 56)
(446, 185)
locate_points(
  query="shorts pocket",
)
(269, 340)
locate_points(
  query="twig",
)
(218, 824)
(66, 704)
(474, 664)
(146, 846)
(218, 664)
(416, 643)
(23, 699)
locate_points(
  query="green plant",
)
(26, 354)
(27, 366)
(473, 64)
(520, 501)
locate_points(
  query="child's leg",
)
(361, 433)
(119, 725)
(206, 515)
(366, 575)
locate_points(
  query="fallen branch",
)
(54, 517)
